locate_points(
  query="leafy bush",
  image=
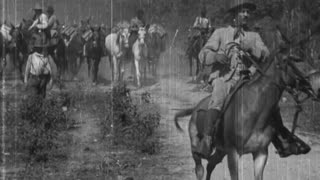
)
(133, 123)
(41, 121)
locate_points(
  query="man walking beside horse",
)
(218, 50)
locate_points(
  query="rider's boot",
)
(288, 144)
(205, 146)
(285, 142)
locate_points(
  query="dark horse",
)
(75, 47)
(57, 50)
(196, 41)
(247, 125)
(94, 53)
(20, 45)
(4, 50)
(156, 46)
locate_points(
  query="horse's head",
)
(123, 37)
(292, 77)
(17, 36)
(96, 36)
(314, 79)
(25, 24)
(84, 25)
(142, 35)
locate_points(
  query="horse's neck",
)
(119, 42)
(270, 81)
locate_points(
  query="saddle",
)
(239, 84)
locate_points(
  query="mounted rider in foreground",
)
(218, 50)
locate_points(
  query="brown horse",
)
(156, 46)
(247, 125)
(195, 43)
(94, 54)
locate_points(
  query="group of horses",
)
(71, 49)
(246, 124)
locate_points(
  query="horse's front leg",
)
(111, 67)
(115, 68)
(145, 63)
(233, 162)
(260, 159)
(137, 64)
(89, 63)
(198, 66)
(190, 65)
(213, 160)
(96, 69)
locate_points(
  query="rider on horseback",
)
(217, 49)
(200, 29)
(40, 24)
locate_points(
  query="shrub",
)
(39, 127)
(134, 123)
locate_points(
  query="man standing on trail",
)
(38, 69)
(217, 49)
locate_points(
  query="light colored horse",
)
(117, 44)
(140, 53)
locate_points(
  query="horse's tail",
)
(183, 113)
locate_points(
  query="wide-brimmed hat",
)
(37, 7)
(237, 5)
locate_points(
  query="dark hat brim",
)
(246, 5)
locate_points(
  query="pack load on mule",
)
(239, 109)
(87, 35)
(68, 30)
(157, 28)
(5, 32)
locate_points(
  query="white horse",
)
(140, 53)
(117, 43)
